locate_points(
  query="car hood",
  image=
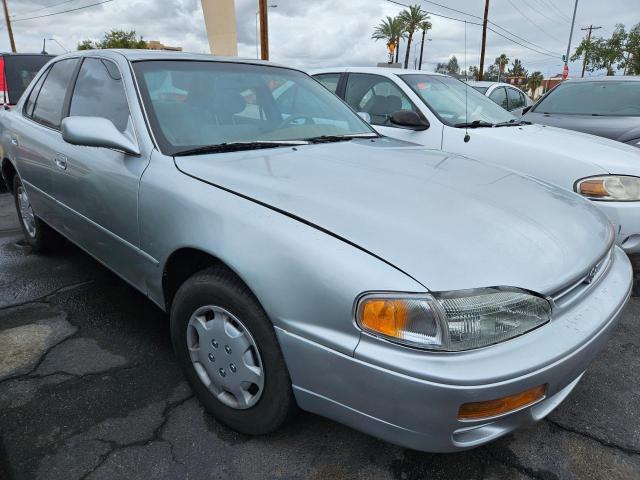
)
(448, 221)
(553, 154)
(621, 129)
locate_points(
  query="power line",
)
(532, 22)
(541, 13)
(64, 11)
(44, 8)
(546, 52)
(561, 14)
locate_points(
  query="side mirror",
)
(526, 109)
(365, 116)
(410, 120)
(96, 132)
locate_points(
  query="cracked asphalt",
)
(89, 389)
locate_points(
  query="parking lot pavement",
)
(89, 389)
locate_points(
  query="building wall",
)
(220, 20)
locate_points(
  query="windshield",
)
(607, 98)
(193, 104)
(455, 102)
(20, 70)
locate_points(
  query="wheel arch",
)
(9, 171)
(183, 263)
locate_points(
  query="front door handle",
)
(14, 140)
(60, 161)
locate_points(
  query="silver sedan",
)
(304, 260)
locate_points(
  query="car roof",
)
(488, 83)
(376, 70)
(134, 55)
(612, 78)
(36, 54)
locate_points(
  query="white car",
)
(443, 113)
(509, 97)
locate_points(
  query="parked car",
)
(509, 97)
(428, 299)
(442, 113)
(16, 72)
(604, 106)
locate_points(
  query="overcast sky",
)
(315, 33)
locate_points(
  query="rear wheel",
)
(228, 350)
(38, 235)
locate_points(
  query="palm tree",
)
(391, 30)
(425, 27)
(411, 18)
(502, 61)
(535, 80)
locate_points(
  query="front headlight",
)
(452, 321)
(618, 188)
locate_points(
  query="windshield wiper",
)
(474, 124)
(339, 138)
(239, 146)
(512, 123)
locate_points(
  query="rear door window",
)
(19, 71)
(376, 95)
(99, 92)
(516, 99)
(329, 80)
(31, 101)
(499, 96)
(50, 102)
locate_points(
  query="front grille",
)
(583, 283)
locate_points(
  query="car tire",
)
(37, 234)
(207, 314)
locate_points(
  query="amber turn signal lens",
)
(593, 188)
(500, 406)
(388, 317)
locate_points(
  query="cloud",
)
(315, 33)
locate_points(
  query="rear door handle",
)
(60, 161)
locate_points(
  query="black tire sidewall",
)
(220, 288)
(36, 241)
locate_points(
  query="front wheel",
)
(228, 350)
(38, 235)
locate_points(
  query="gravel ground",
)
(89, 388)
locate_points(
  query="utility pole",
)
(484, 39)
(566, 58)
(9, 29)
(264, 31)
(584, 61)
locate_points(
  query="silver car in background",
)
(305, 261)
(508, 96)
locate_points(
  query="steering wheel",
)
(308, 120)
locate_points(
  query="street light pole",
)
(9, 29)
(566, 58)
(263, 35)
(484, 39)
(59, 44)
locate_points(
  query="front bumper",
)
(411, 398)
(625, 217)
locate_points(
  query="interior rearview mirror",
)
(96, 132)
(365, 116)
(409, 119)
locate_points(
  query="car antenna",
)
(466, 89)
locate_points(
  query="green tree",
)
(425, 27)
(611, 53)
(115, 39)
(450, 68)
(411, 18)
(517, 70)
(534, 81)
(474, 72)
(390, 30)
(502, 61)
(631, 62)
